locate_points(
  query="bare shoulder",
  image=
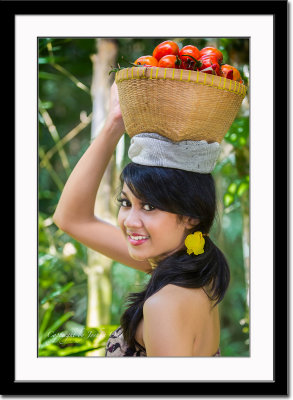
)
(176, 298)
(173, 293)
(177, 310)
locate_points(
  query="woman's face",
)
(150, 233)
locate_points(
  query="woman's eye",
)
(126, 203)
(148, 207)
(123, 202)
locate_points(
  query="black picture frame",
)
(279, 386)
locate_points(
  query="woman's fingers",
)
(115, 110)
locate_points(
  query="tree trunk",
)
(98, 270)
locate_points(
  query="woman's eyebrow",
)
(125, 194)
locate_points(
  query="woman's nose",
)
(133, 220)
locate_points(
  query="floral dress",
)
(117, 347)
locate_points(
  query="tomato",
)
(212, 51)
(216, 67)
(190, 49)
(236, 74)
(148, 61)
(169, 61)
(225, 68)
(208, 57)
(211, 63)
(165, 49)
(227, 73)
(189, 62)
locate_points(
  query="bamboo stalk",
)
(56, 137)
(51, 171)
(69, 136)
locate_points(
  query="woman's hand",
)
(115, 116)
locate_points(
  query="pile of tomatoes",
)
(208, 60)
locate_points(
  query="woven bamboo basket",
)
(178, 104)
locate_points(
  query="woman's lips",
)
(136, 242)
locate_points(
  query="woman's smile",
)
(137, 240)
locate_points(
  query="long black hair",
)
(186, 194)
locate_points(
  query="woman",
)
(161, 210)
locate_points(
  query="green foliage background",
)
(65, 75)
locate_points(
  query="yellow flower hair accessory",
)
(195, 243)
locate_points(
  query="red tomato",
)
(189, 62)
(170, 61)
(165, 49)
(191, 50)
(236, 74)
(208, 57)
(228, 73)
(212, 51)
(149, 61)
(211, 63)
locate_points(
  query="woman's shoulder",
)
(174, 307)
(180, 298)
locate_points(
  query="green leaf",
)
(46, 104)
(243, 187)
(74, 328)
(90, 333)
(233, 137)
(48, 75)
(228, 199)
(232, 188)
(62, 338)
(46, 194)
(57, 292)
(43, 260)
(50, 60)
(41, 119)
(77, 350)
(60, 321)
(45, 321)
(53, 339)
(242, 141)
(50, 350)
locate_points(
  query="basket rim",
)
(181, 75)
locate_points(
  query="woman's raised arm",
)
(75, 211)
